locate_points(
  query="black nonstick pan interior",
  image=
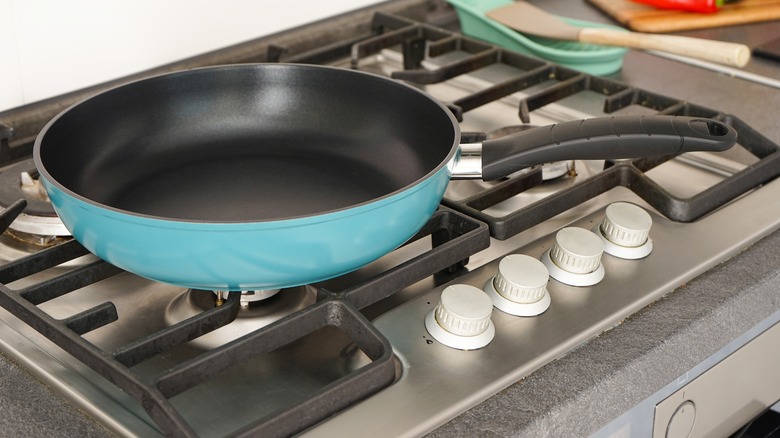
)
(244, 144)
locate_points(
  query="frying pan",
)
(263, 176)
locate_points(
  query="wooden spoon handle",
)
(721, 52)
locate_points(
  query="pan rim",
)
(117, 214)
(381, 200)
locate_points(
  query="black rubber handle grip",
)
(614, 137)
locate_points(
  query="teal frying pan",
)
(263, 176)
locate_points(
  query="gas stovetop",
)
(282, 362)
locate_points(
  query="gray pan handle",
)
(613, 137)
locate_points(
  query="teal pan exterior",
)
(252, 255)
(395, 159)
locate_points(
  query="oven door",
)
(727, 397)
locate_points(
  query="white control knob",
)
(577, 250)
(626, 224)
(462, 318)
(625, 231)
(575, 257)
(520, 286)
(464, 310)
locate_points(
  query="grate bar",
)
(339, 394)
(448, 71)
(374, 45)
(177, 334)
(505, 190)
(40, 261)
(11, 212)
(566, 87)
(68, 282)
(323, 403)
(209, 364)
(319, 55)
(503, 89)
(92, 319)
(455, 240)
(93, 357)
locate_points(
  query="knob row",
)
(462, 318)
(575, 257)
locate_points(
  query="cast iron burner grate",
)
(631, 175)
(454, 238)
(420, 40)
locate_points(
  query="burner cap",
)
(39, 217)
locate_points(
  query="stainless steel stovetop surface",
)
(434, 383)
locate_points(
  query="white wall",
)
(48, 47)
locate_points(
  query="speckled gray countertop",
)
(585, 390)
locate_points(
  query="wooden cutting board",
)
(643, 18)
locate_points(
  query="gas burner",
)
(15, 244)
(38, 224)
(258, 309)
(251, 296)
